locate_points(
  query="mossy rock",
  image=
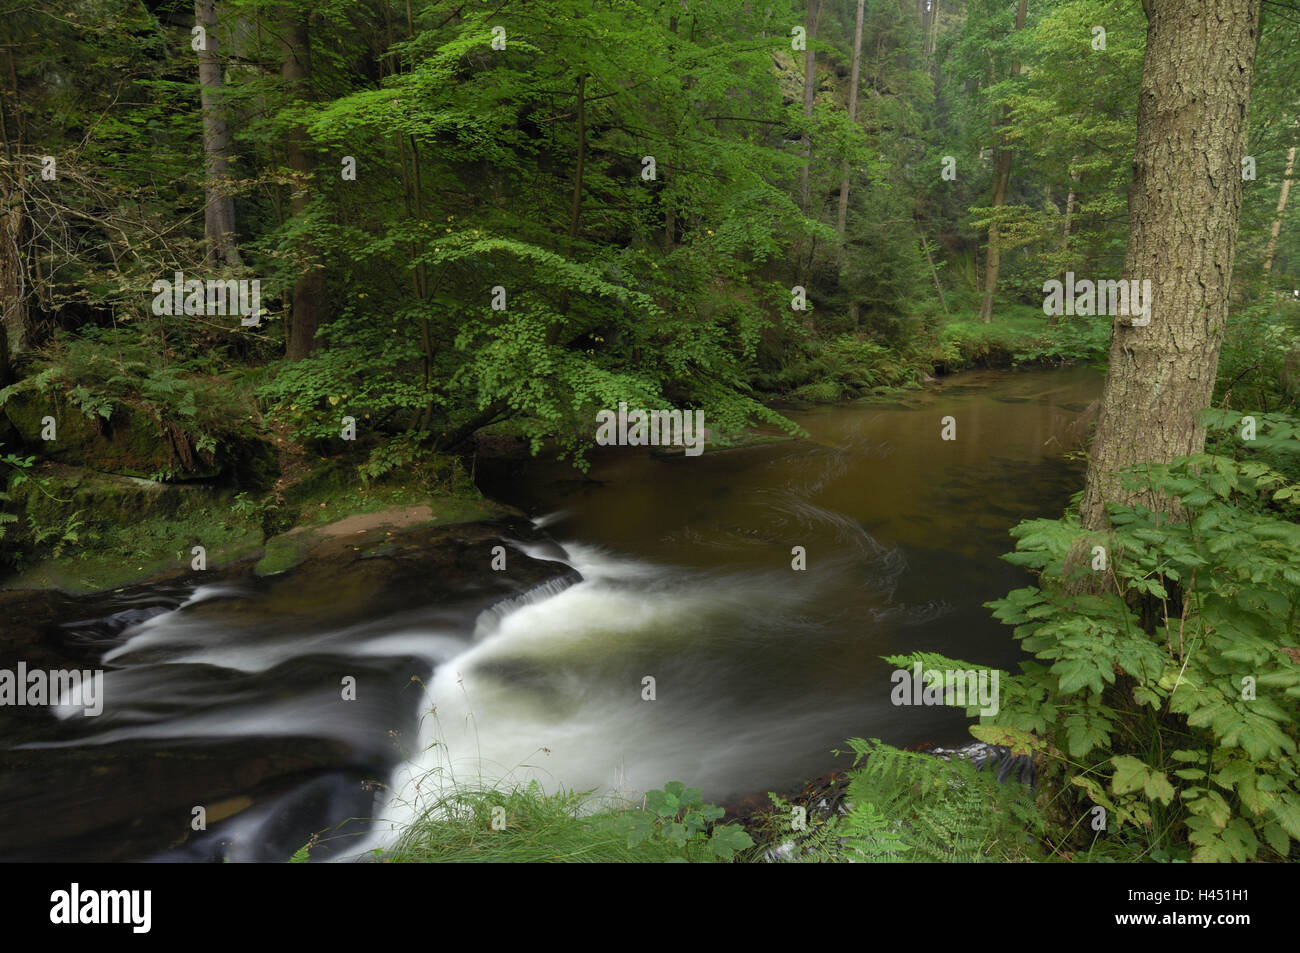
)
(56, 490)
(286, 551)
(130, 442)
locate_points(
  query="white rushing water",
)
(552, 687)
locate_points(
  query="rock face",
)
(105, 497)
(131, 441)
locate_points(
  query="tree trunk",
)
(934, 272)
(809, 91)
(842, 219)
(1184, 210)
(14, 329)
(15, 326)
(1067, 226)
(1281, 208)
(219, 204)
(309, 288)
(1001, 178)
(1069, 206)
(575, 204)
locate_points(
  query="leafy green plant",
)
(15, 477)
(908, 805)
(100, 373)
(816, 841)
(869, 836)
(678, 816)
(1171, 697)
(65, 532)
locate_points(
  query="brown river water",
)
(225, 693)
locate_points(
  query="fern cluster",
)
(908, 805)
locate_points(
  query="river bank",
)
(678, 569)
(104, 507)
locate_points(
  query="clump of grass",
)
(535, 827)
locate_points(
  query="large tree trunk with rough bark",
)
(1184, 208)
(1001, 179)
(309, 288)
(219, 205)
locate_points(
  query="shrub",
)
(1171, 696)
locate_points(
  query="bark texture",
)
(309, 287)
(1184, 209)
(842, 219)
(1001, 179)
(219, 205)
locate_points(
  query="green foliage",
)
(15, 475)
(34, 537)
(869, 836)
(538, 828)
(1259, 365)
(524, 824)
(1171, 697)
(850, 365)
(98, 371)
(1023, 335)
(1070, 340)
(678, 816)
(1073, 122)
(907, 805)
(817, 842)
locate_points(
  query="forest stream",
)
(227, 693)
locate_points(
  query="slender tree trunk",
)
(934, 272)
(219, 204)
(842, 219)
(1281, 208)
(13, 311)
(1001, 178)
(1184, 210)
(309, 289)
(13, 280)
(809, 92)
(1067, 226)
(6, 369)
(1069, 206)
(15, 327)
(670, 215)
(575, 206)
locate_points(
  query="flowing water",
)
(671, 568)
